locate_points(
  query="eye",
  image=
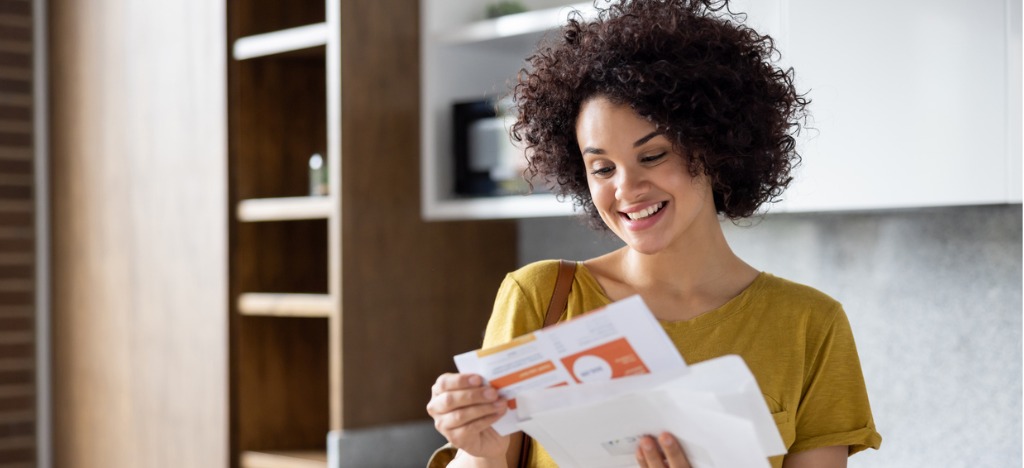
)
(602, 171)
(653, 158)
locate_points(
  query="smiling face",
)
(641, 186)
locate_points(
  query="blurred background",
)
(252, 233)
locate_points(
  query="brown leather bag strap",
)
(556, 306)
(560, 296)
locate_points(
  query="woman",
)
(658, 119)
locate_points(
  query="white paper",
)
(715, 410)
(619, 340)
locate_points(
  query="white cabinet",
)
(463, 58)
(915, 103)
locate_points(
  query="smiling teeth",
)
(646, 212)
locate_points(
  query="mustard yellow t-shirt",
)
(796, 340)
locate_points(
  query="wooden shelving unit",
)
(345, 307)
(280, 275)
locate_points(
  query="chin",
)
(645, 248)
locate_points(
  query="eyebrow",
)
(644, 139)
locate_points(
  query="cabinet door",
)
(911, 103)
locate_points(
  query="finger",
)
(640, 460)
(450, 381)
(469, 415)
(474, 433)
(648, 453)
(672, 451)
(458, 399)
(473, 429)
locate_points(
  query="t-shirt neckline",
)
(706, 319)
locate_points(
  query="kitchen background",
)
(177, 327)
(934, 299)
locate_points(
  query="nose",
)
(631, 184)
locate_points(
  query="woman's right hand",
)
(464, 408)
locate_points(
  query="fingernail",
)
(666, 440)
(475, 380)
(490, 394)
(647, 443)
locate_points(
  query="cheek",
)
(689, 184)
(599, 193)
(701, 185)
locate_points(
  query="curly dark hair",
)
(690, 66)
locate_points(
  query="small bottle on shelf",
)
(317, 176)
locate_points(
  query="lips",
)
(646, 212)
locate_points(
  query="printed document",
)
(589, 388)
(620, 340)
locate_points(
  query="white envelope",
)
(715, 409)
(729, 379)
(546, 399)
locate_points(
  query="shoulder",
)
(782, 289)
(521, 302)
(797, 301)
(534, 282)
(531, 284)
(533, 274)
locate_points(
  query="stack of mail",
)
(589, 388)
(715, 409)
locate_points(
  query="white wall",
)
(934, 298)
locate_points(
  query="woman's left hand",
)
(663, 452)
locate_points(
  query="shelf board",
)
(285, 304)
(281, 42)
(284, 459)
(506, 207)
(284, 209)
(514, 26)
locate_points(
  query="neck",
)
(689, 268)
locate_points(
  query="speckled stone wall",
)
(934, 298)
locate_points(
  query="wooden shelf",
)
(284, 459)
(284, 209)
(285, 305)
(281, 42)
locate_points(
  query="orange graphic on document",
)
(604, 362)
(522, 375)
